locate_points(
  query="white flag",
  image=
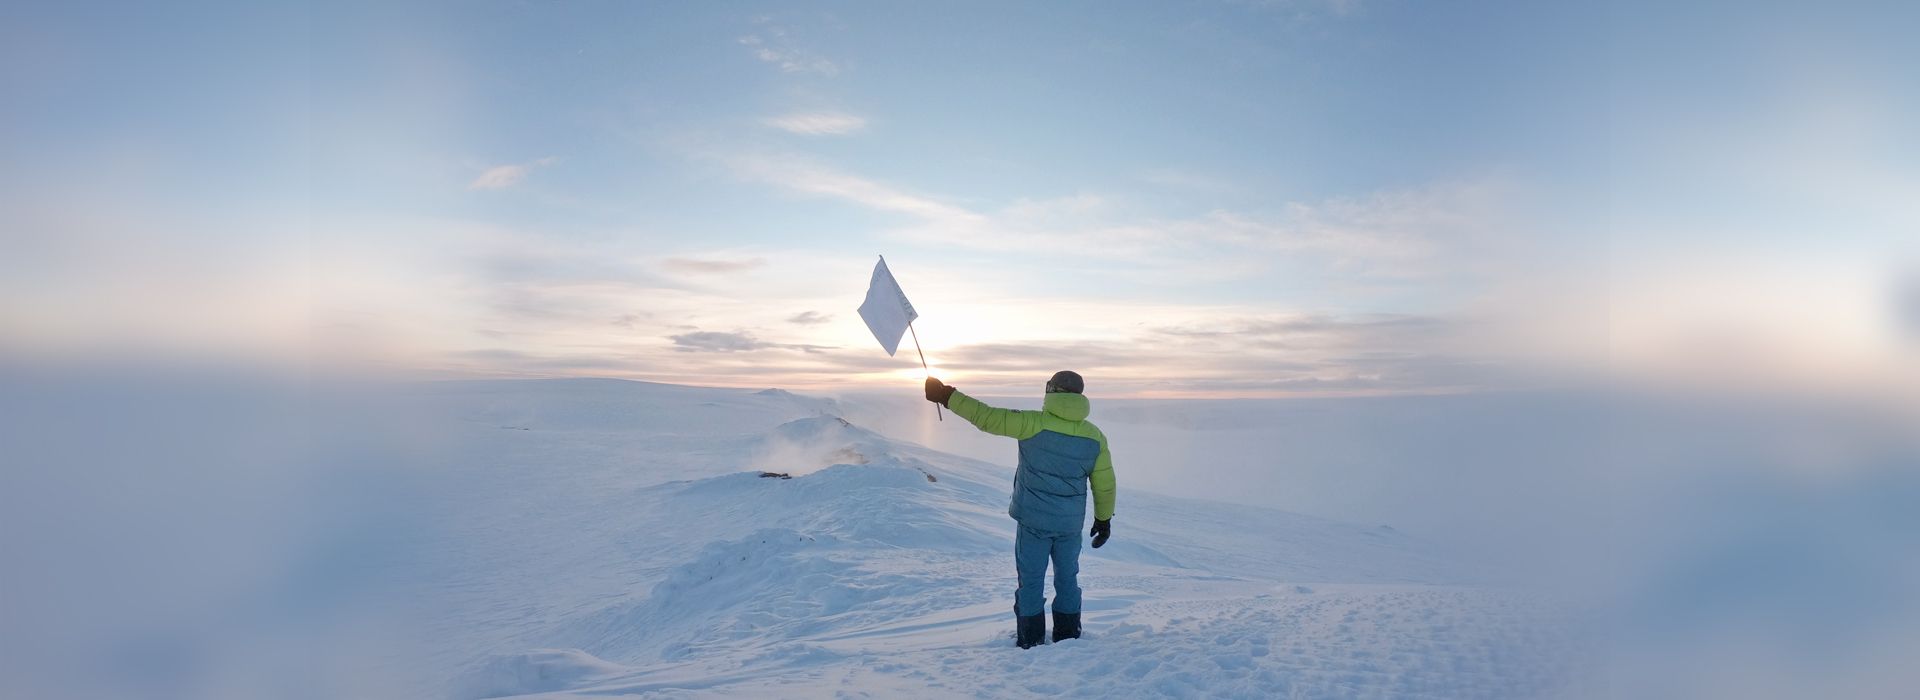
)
(886, 310)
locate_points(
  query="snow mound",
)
(537, 671)
(808, 444)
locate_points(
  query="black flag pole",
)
(923, 365)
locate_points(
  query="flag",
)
(886, 310)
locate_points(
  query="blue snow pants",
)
(1031, 551)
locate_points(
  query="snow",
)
(219, 534)
(597, 537)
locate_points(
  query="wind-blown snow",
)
(602, 537)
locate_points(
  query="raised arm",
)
(1018, 425)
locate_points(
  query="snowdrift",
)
(628, 538)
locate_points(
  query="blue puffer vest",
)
(1050, 486)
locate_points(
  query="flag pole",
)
(923, 365)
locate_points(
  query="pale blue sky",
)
(1185, 197)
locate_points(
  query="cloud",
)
(1446, 228)
(1149, 363)
(772, 46)
(558, 267)
(1311, 330)
(572, 312)
(804, 176)
(1261, 355)
(1223, 366)
(716, 341)
(1395, 225)
(712, 267)
(503, 176)
(559, 295)
(1440, 228)
(818, 123)
(1042, 357)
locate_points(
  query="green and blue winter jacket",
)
(1061, 455)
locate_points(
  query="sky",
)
(1179, 199)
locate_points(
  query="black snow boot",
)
(1032, 631)
(1066, 626)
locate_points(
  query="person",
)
(1062, 457)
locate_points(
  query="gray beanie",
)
(1066, 381)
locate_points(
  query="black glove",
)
(1102, 529)
(937, 392)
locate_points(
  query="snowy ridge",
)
(882, 568)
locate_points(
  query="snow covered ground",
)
(591, 537)
(219, 534)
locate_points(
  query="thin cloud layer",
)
(500, 177)
(1466, 230)
(773, 44)
(818, 123)
(807, 177)
(715, 341)
(1290, 355)
(712, 267)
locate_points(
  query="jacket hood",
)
(1069, 406)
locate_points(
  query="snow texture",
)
(608, 538)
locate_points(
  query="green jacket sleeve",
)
(1102, 480)
(1018, 425)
